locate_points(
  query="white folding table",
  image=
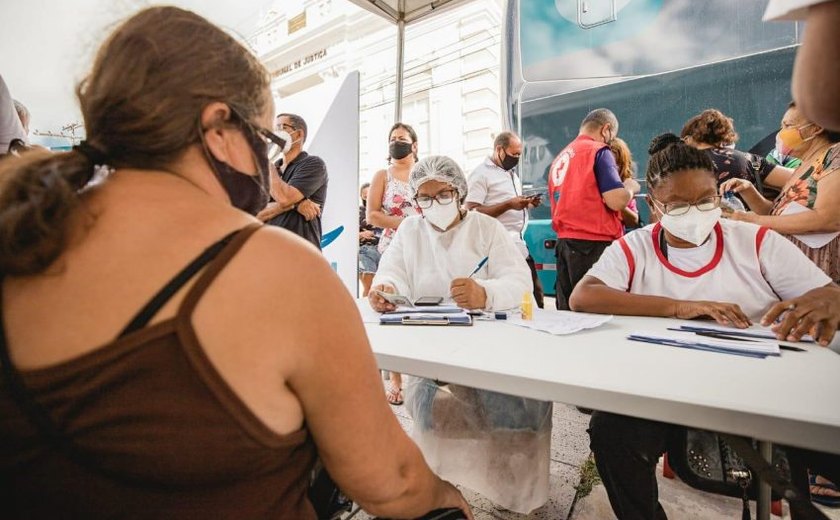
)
(772, 400)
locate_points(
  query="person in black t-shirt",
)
(298, 185)
(713, 132)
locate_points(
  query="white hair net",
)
(438, 168)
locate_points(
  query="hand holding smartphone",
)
(394, 299)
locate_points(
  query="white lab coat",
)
(421, 261)
(496, 444)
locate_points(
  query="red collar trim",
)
(703, 270)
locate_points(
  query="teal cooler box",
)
(541, 239)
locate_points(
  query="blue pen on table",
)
(479, 266)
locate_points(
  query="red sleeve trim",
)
(759, 240)
(631, 262)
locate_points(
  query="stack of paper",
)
(743, 333)
(744, 347)
(560, 322)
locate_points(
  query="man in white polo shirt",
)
(495, 190)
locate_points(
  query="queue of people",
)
(175, 317)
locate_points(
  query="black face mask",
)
(399, 150)
(509, 162)
(247, 192)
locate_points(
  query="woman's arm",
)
(508, 276)
(778, 176)
(393, 266)
(630, 218)
(747, 190)
(825, 217)
(375, 215)
(593, 295)
(322, 355)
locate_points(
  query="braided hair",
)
(668, 155)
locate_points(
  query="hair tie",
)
(93, 154)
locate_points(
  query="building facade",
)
(451, 86)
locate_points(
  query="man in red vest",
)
(587, 196)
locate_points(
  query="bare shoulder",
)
(272, 300)
(379, 177)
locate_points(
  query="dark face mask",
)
(509, 162)
(247, 192)
(399, 150)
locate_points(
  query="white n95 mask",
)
(695, 226)
(441, 215)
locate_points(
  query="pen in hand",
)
(479, 266)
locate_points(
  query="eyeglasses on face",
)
(675, 209)
(444, 197)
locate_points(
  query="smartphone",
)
(395, 299)
(428, 301)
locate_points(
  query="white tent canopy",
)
(407, 10)
(402, 12)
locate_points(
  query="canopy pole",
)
(398, 95)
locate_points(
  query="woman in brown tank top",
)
(243, 358)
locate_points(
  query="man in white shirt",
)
(496, 190)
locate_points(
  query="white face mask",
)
(284, 135)
(441, 215)
(695, 226)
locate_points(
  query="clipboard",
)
(454, 319)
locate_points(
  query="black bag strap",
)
(142, 318)
(800, 503)
(40, 417)
(755, 163)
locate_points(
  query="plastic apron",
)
(492, 443)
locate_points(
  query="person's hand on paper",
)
(379, 303)
(816, 312)
(723, 313)
(468, 294)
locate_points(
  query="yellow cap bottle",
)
(527, 307)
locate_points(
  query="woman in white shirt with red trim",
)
(691, 264)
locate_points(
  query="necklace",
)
(807, 161)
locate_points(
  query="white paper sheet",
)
(559, 322)
(812, 240)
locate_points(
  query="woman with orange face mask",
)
(809, 203)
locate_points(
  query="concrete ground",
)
(569, 450)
